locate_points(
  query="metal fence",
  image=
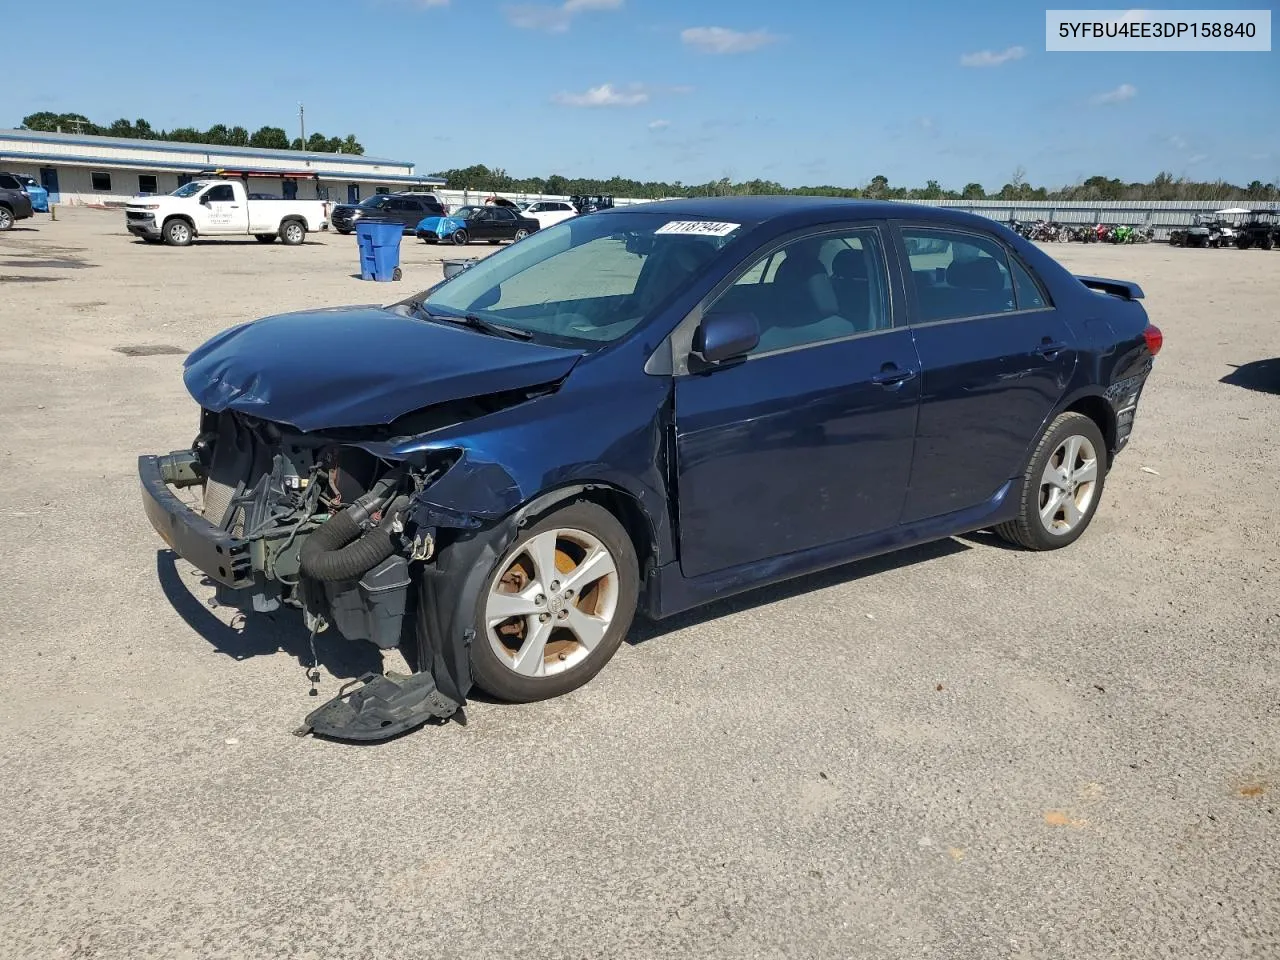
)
(1160, 215)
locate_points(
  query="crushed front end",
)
(287, 518)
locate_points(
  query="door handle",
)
(1050, 348)
(892, 377)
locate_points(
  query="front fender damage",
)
(454, 548)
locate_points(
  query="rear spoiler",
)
(1117, 288)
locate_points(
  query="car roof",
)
(801, 209)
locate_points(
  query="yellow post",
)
(53, 212)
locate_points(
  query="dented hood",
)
(359, 366)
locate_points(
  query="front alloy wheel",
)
(556, 606)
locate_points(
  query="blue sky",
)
(810, 91)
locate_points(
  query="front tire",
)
(177, 233)
(292, 233)
(556, 606)
(1062, 486)
(459, 237)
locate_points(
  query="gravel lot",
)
(962, 751)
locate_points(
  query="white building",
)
(109, 170)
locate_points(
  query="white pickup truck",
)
(222, 208)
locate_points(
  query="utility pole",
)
(302, 127)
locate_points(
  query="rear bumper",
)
(224, 557)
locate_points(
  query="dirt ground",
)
(962, 751)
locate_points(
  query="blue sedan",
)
(644, 410)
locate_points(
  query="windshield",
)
(586, 280)
(187, 189)
(377, 203)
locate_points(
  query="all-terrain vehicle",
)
(1261, 229)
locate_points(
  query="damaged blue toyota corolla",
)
(643, 409)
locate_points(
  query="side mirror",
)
(204, 199)
(726, 336)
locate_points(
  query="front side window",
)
(222, 193)
(816, 288)
(9, 183)
(581, 281)
(100, 181)
(957, 275)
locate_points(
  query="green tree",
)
(973, 191)
(270, 138)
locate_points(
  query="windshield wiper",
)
(477, 323)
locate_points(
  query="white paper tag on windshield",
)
(698, 228)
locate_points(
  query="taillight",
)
(1154, 338)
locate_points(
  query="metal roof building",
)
(77, 168)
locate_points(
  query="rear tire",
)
(602, 607)
(1062, 486)
(265, 237)
(292, 233)
(6, 219)
(177, 233)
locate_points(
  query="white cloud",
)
(1126, 91)
(659, 124)
(433, 3)
(724, 40)
(1198, 158)
(604, 96)
(1177, 142)
(988, 58)
(551, 19)
(926, 123)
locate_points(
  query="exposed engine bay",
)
(325, 527)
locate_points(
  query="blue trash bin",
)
(379, 243)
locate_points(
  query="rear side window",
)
(957, 275)
(1029, 292)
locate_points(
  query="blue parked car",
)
(644, 410)
(29, 185)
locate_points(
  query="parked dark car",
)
(492, 223)
(584, 204)
(644, 410)
(406, 209)
(1260, 229)
(15, 204)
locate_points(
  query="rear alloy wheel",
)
(556, 606)
(459, 237)
(177, 233)
(292, 233)
(6, 218)
(520, 235)
(1061, 487)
